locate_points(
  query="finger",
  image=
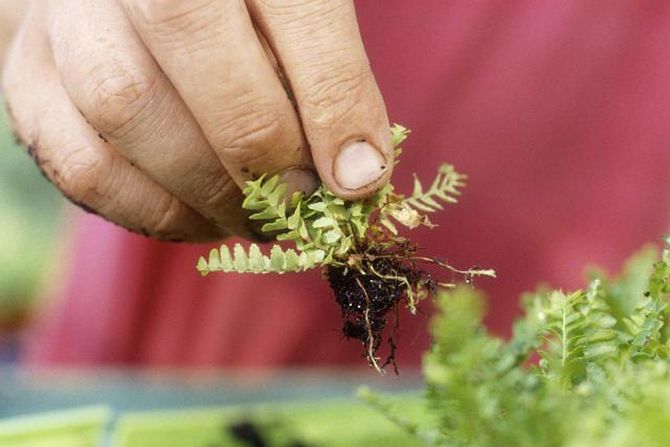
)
(342, 112)
(87, 170)
(209, 51)
(119, 88)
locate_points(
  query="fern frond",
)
(645, 327)
(398, 134)
(445, 188)
(580, 335)
(266, 197)
(396, 413)
(254, 261)
(647, 324)
(561, 359)
(409, 211)
(603, 377)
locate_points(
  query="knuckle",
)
(332, 93)
(117, 97)
(176, 15)
(83, 177)
(217, 191)
(166, 216)
(305, 15)
(249, 129)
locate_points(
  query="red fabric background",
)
(558, 111)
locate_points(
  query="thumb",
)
(318, 44)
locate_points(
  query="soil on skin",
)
(366, 300)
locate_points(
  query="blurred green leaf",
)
(29, 207)
(75, 428)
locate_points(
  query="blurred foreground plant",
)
(584, 369)
(28, 210)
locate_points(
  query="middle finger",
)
(209, 50)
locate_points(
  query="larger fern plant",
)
(583, 369)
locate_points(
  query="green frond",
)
(398, 134)
(409, 211)
(579, 334)
(321, 223)
(647, 325)
(564, 328)
(266, 197)
(445, 188)
(626, 293)
(603, 378)
(254, 261)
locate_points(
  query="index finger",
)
(342, 111)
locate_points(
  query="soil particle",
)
(44, 165)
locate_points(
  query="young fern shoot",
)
(370, 267)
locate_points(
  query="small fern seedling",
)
(368, 264)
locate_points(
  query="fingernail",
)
(299, 179)
(358, 164)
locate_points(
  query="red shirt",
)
(558, 111)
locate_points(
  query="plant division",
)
(369, 265)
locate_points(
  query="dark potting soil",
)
(367, 300)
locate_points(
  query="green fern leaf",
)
(292, 260)
(240, 259)
(226, 259)
(331, 236)
(214, 260)
(202, 266)
(324, 222)
(293, 222)
(256, 261)
(276, 225)
(445, 187)
(277, 259)
(398, 134)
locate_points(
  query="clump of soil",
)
(369, 296)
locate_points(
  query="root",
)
(372, 358)
(411, 301)
(469, 274)
(390, 360)
(370, 285)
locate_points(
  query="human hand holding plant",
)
(154, 113)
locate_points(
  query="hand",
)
(153, 113)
